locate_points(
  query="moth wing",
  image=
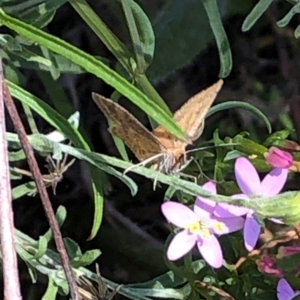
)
(134, 134)
(192, 114)
(190, 117)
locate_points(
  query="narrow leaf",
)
(287, 18)
(95, 67)
(255, 14)
(240, 104)
(51, 291)
(215, 21)
(141, 33)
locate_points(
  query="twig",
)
(10, 265)
(217, 290)
(10, 105)
(287, 237)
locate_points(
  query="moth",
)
(159, 148)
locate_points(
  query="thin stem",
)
(10, 105)
(7, 230)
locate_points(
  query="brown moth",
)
(165, 152)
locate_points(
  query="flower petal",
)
(278, 158)
(251, 232)
(181, 244)
(178, 214)
(225, 210)
(206, 204)
(277, 221)
(211, 251)
(227, 225)
(273, 182)
(246, 176)
(202, 213)
(287, 251)
(284, 290)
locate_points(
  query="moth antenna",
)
(211, 147)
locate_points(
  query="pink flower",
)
(199, 228)
(266, 264)
(278, 158)
(223, 210)
(287, 251)
(251, 186)
(285, 291)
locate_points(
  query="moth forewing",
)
(129, 129)
(192, 114)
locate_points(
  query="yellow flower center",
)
(199, 227)
(194, 227)
(218, 226)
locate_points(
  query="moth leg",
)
(143, 163)
(185, 164)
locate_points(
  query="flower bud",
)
(278, 158)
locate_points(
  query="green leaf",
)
(164, 293)
(119, 50)
(30, 56)
(255, 14)
(215, 21)
(232, 155)
(35, 12)
(23, 189)
(53, 68)
(141, 33)
(51, 291)
(27, 258)
(99, 178)
(97, 68)
(167, 280)
(73, 248)
(110, 40)
(297, 32)
(277, 136)
(20, 52)
(48, 114)
(10, 71)
(14, 175)
(61, 283)
(86, 259)
(170, 192)
(62, 125)
(287, 18)
(283, 206)
(10, 42)
(60, 215)
(43, 144)
(42, 247)
(240, 104)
